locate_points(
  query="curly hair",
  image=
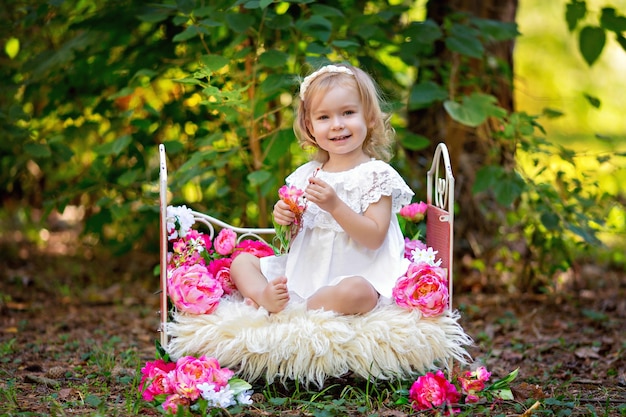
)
(380, 135)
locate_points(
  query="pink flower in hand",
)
(154, 379)
(414, 212)
(194, 290)
(433, 391)
(225, 242)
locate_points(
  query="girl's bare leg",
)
(245, 272)
(354, 295)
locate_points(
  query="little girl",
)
(349, 251)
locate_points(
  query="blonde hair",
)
(380, 135)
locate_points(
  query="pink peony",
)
(193, 289)
(154, 379)
(174, 401)
(225, 242)
(220, 269)
(423, 287)
(255, 247)
(411, 245)
(414, 212)
(191, 371)
(433, 391)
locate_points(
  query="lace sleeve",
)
(378, 179)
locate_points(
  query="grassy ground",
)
(76, 328)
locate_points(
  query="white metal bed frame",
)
(439, 234)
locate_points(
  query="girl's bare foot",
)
(250, 302)
(274, 296)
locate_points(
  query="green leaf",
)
(415, 142)
(591, 42)
(424, 94)
(37, 150)
(115, 147)
(552, 113)
(486, 177)
(550, 221)
(574, 12)
(326, 11)
(594, 101)
(474, 109)
(496, 30)
(273, 59)
(193, 81)
(275, 148)
(190, 32)
(317, 26)
(259, 177)
(503, 394)
(426, 32)
(239, 22)
(587, 234)
(127, 178)
(504, 382)
(346, 44)
(464, 40)
(185, 6)
(621, 40)
(509, 188)
(214, 62)
(609, 20)
(12, 47)
(93, 400)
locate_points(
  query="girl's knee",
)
(359, 291)
(243, 261)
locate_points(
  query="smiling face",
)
(337, 121)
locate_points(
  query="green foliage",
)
(592, 37)
(89, 90)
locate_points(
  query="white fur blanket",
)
(311, 346)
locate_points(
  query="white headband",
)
(328, 68)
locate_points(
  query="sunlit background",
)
(550, 72)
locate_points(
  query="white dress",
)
(323, 254)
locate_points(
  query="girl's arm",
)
(369, 229)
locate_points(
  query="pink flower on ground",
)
(414, 212)
(474, 382)
(220, 269)
(481, 373)
(433, 391)
(193, 289)
(255, 247)
(225, 242)
(191, 371)
(423, 287)
(154, 379)
(411, 245)
(174, 401)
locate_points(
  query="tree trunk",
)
(470, 148)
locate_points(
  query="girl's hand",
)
(322, 194)
(282, 214)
